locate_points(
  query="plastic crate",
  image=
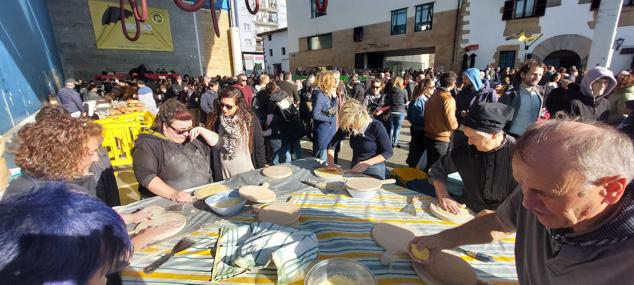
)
(120, 132)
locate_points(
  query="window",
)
(271, 52)
(248, 43)
(399, 21)
(424, 17)
(628, 2)
(517, 9)
(320, 42)
(283, 51)
(247, 27)
(357, 36)
(244, 12)
(507, 59)
(269, 36)
(313, 9)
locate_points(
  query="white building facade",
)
(271, 16)
(275, 50)
(567, 29)
(459, 33)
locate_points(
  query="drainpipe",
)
(457, 36)
(234, 38)
(200, 59)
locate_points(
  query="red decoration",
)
(321, 7)
(254, 10)
(190, 8)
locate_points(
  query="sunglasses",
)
(227, 106)
(181, 131)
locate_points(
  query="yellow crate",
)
(120, 132)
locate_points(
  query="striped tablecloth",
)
(343, 226)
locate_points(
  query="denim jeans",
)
(281, 151)
(376, 171)
(322, 154)
(395, 132)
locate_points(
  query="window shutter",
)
(595, 5)
(507, 13)
(540, 8)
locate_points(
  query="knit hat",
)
(488, 117)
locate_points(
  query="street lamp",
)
(619, 43)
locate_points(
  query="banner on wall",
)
(156, 34)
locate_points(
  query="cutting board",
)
(280, 213)
(367, 183)
(463, 216)
(325, 173)
(277, 172)
(159, 217)
(257, 193)
(393, 237)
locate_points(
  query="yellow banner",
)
(156, 34)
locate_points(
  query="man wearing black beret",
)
(484, 164)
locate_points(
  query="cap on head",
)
(488, 117)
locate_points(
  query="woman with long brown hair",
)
(241, 145)
(416, 117)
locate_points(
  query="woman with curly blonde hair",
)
(369, 140)
(55, 148)
(324, 100)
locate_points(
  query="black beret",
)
(488, 117)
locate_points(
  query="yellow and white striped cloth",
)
(343, 226)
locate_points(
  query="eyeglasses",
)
(181, 131)
(227, 106)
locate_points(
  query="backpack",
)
(287, 109)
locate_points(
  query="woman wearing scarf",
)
(241, 145)
(589, 103)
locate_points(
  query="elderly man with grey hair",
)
(573, 212)
(70, 99)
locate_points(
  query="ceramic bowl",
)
(215, 202)
(339, 271)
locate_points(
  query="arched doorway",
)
(563, 58)
(577, 44)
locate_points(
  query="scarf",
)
(619, 228)
(232, 136)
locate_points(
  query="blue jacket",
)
(416, 113)
(70, 100)
(324, 124)
(207, 101)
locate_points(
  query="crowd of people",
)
(543, 152)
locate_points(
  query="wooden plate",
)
(367, 183)
(323, 172)
(393, 237)
(277, 172)
(462, 217)
(209, 190)
(280, 213)
(161, 219)
(257, 194)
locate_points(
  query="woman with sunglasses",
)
(241, 146)
(173, 155)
